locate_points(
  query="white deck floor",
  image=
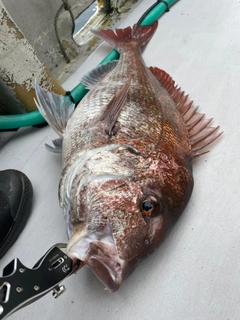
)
(196, 272)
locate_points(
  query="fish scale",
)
(127, 158)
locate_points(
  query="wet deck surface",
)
(195, 274)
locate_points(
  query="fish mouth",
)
(99, 252)
(105, 266)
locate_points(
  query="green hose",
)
(35, 118)
(158, 10)
(21, 120)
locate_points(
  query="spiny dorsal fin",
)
(199, 130)
(91, 78)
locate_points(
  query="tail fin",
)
(141, 34)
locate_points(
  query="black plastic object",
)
(20, 286)
(15, 203)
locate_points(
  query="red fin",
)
(199, 130)
(142, 34)
(114, 107)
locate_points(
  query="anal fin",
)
(201, 134)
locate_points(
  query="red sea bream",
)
(127, 158)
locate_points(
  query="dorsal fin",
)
(91, 78)
(199, 130)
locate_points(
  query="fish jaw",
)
(107, 268)
(99, 252)
(109, 230)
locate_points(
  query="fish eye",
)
(147, 206)
(151, 207)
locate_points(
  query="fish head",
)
(124, 219)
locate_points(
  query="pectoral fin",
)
(57, 146)
(91, 78)
(54, 108)
(114, 107)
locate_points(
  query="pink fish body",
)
(127, 158)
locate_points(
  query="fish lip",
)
(99, 252)
(106, 267)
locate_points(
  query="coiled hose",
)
(8, 122)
